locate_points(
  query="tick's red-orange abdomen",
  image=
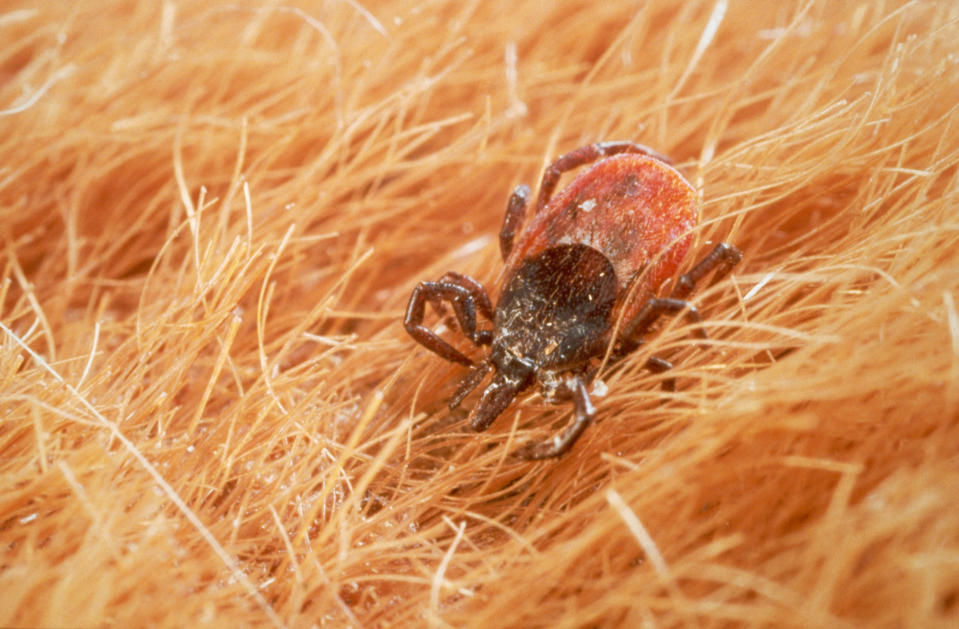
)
(636, 210)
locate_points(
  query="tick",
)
(596, 253)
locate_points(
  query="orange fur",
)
(212, 217)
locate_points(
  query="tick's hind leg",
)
(651, 311)
(585, 155)
(658, 365)
(465, 295)
(561, 443)
(722, 259)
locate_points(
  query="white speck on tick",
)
(599, 388)
(587, 205)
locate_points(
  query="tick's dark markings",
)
(629, 218)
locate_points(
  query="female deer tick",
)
(596, 253)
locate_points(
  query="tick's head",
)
(555, 311)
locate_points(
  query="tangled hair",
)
(213, 216)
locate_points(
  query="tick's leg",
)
(561, 443)
(469, 382)
(496, 397)
(515, 213)
(435, 291)
(653, 310)
(585, 155)
(466, 308)
(722, 259)
(476, 290)
(658, 365)
(466, 296)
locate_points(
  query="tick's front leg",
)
(466, 296)
(515, 213)
(561, 443)
(433, 291)
(469, 382)
(466, 308)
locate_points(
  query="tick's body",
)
(634, 209)
(594, 254)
